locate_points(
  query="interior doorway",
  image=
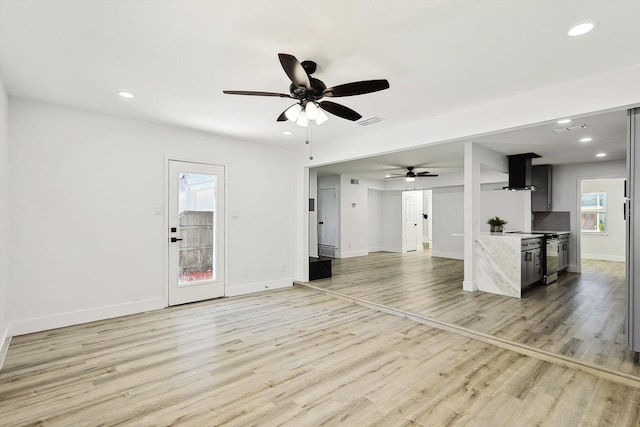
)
(411, 221)
(601, 220)
(196, 232)
(328, 216)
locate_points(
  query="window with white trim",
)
(593, 214)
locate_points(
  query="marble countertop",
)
(552, 232)
(518, 236)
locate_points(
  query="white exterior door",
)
(196, 232)
(327, 217)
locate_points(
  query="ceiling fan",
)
(410, 176)
(308, 91)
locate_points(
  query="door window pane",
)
(197, 201)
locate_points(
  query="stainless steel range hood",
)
(520, 171)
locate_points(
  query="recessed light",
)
(286, 132)
(601, 155)
(564, 121)
(126, 95)
(587, 139)
(580, 29)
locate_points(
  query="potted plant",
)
(497, 224)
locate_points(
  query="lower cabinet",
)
(531, 270)
(563, 252)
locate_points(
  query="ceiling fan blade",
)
(356, 88)
(426, 174)
(340, 110)
(254, 93)
(294, 70)
(396, 176)
(282, 117)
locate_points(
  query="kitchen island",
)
(508, 263)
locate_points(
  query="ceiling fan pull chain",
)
(309, 141)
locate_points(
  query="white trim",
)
(442, 254)
(250, 288)
(5, 341)
(227, 216)
(397, 249)
(577, 268)
(36, 324)
(352, 254)
(469, 286)
(604, 257)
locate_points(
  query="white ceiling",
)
(439, 56)
(607, 130)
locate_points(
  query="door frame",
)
(577, 219)
(337, 212)
(417, 195)
(165, 222)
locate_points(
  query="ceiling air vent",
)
(570, 128)
(369, 121)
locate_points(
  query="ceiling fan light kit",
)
(293, 112)
(308, 91)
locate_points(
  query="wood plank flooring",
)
(581, 316)
(290, 357)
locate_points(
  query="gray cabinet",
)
(531, 270)
(563, 252)
(541, 196)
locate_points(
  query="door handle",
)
(175, 239)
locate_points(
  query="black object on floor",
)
(319, 268)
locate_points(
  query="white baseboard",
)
(60, 320)
(601, 257)
(353, 254)
(441, 254)
(250, 288)
(469, 285)
(5, 340)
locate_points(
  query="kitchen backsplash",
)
(551, 221)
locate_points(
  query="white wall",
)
(609, 246)
(85, 243)
(374, 220)
(448, 215)
(566, 190)
(448, 225)
(513, 206)
(392, 221)
(5, 264)
(353, 218)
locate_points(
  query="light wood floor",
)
(581, 316)
(291, 357)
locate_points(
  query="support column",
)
(471, 213)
